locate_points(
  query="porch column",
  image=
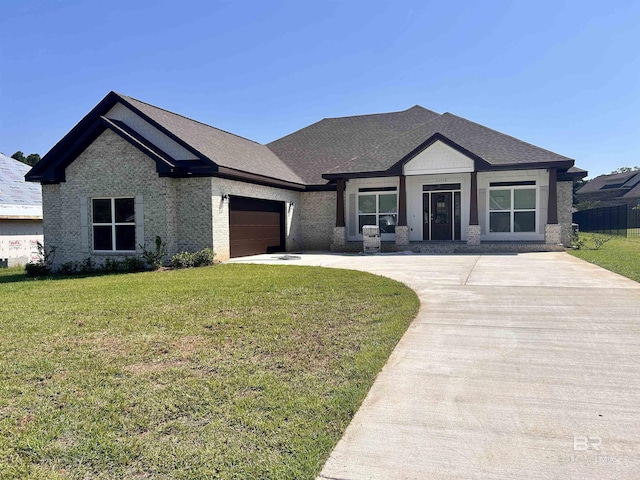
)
(402, 230)
(552, 231)
(473, 229)
(473, 214)
(340, 204)
(339, 240)
(552, 215)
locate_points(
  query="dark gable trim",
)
(51, 168)
(41, 171)
(56, 171)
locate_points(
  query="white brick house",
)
(130, 171)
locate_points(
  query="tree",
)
(30, 159)
(19, 156)
(625, 169)
(577, 185)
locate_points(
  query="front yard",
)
(233, 371)
(620, 255)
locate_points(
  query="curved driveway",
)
(517, 367)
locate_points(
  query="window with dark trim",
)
(512, 210)
(114, 224)
(379, 207)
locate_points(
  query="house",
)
(20, 214)
(612, 190)
(129, 171)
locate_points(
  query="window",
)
(114, 224)
(512, 210)
(378, 208)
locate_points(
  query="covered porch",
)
(455, 211)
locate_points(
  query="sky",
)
(563, 75)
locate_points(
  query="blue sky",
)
(561, 75)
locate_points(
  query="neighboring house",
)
(20, 214)
(130, 171)
(611, 190)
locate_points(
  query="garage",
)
(255, 226)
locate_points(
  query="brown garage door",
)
(255, 226)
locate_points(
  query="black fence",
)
(621, 220)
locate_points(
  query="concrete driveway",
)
(517, 367)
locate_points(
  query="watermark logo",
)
(588, 451)
(582, 443)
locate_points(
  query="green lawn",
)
(233, 371)
(620, 255)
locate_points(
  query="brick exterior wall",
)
(194, 214)
(109, 167)
(317, 219)
(565, 207)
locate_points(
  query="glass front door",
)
(441, 215)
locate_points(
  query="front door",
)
(441, 216)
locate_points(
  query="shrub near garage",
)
(201, 258)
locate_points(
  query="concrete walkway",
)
(517, 367)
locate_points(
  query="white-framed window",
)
(114, 224)
(513, 207)
(378, 206)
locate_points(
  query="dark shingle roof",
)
(496, 148)
(223, 148)
(332, 142)
(626, 185)
(346, 145)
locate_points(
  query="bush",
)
(68, 268)
(41, 267)
(204, 258)
(155, 257)
(201, 258)
(133, 264)
(594, 242)
(36, 270)
(110, 265)
(183, 260)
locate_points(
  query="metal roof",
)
(18, 198)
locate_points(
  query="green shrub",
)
(201, 258)
(36, 270)
(204, 258)
(68, 268)
(42, 266)
(183, 260)
(111, 265)
(133, 264)
(155, 257)
(593, 241)
(87, 266)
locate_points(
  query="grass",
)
(620, 255)
(233, 371)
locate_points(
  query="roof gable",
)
(439, 157)
(332, 142)
(198, 145)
